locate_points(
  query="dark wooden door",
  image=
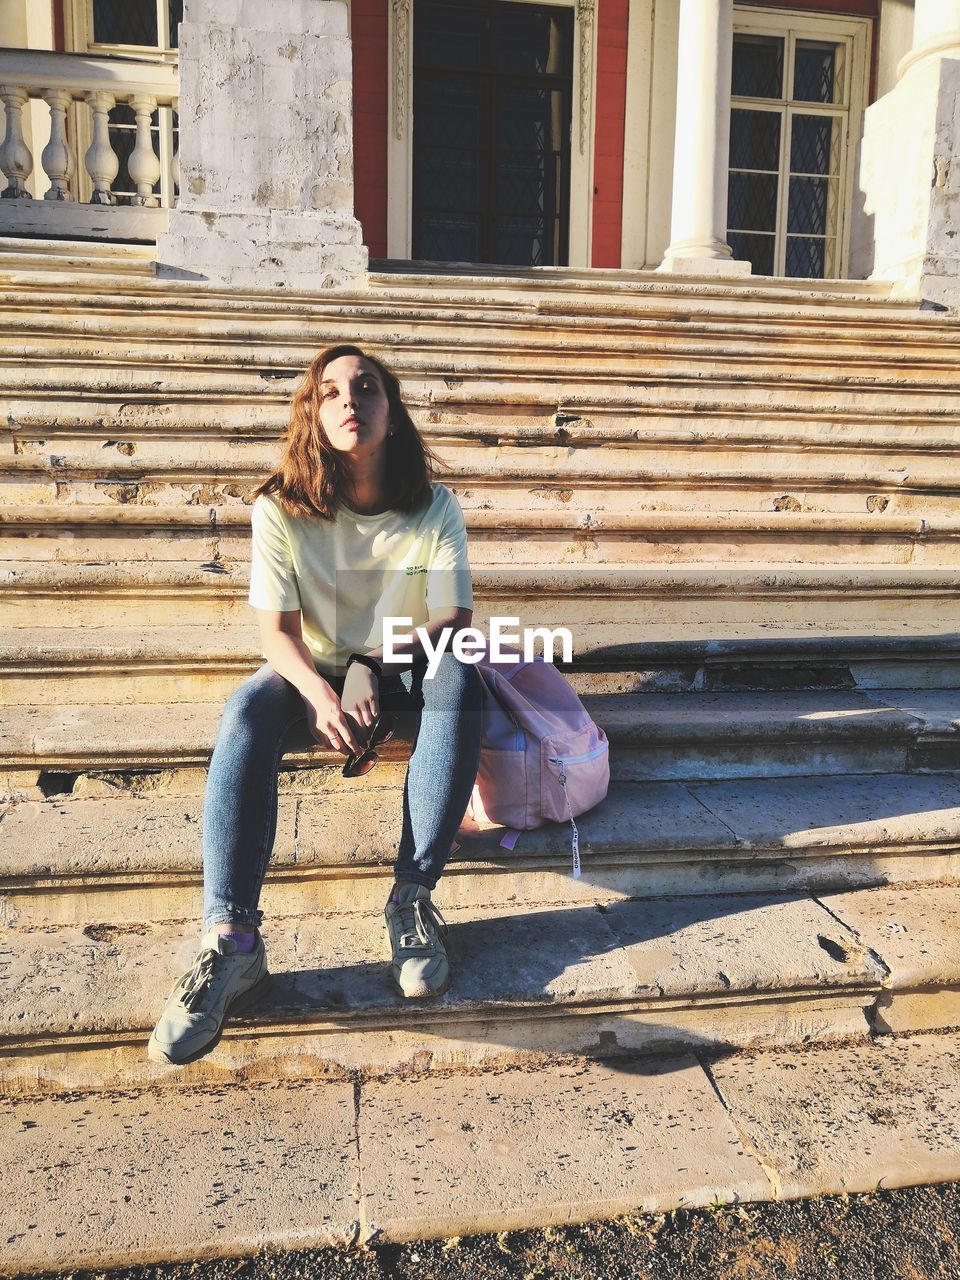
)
(492, 93)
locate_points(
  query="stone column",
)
(910, 162)
(698, 224)
(266, 148)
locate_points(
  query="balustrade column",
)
(102, 162)
(700, 163)
(144, 165)
(57, 158)
(175, 157)
(15, 158)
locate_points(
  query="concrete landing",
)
(102, 1179)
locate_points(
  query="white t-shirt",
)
(346, 575)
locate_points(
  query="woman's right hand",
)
(328, 724)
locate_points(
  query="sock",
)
(245, 942)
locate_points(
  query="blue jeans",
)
(266, 716)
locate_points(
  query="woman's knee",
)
(263, 698)
(454, 680)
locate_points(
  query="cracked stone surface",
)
(853, 1118)
(57, 981)
(106, 1179)
(836, 811)
(938, 710)
(106, 977)
(357, 821)
(531, 1148)
(750, 942)
(123, 834)
(915, 931)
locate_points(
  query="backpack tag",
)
(509, 840)
(575, 840)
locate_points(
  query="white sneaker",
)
(222, 980)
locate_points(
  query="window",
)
(130, 25)
(794, 95)
(491, 136)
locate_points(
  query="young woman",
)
(347, 532)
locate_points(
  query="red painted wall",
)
(368, 35)
(612, 21)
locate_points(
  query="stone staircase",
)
(744, 500)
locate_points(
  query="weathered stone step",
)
(100, 370)
(518, 473)
(653, 735)
(638, 418)
(303, 1164)
(621, 292)
(71, 532)
(652, 975)
(608, 610)
(207, 663)
(894, 494)
(24, 268)
(516, 338)
(598, 299)
(126, 848)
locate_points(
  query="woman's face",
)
(354, 410)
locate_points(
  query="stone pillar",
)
(698, 224)
(910, 162)
(266, 148)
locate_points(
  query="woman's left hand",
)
(360, 699)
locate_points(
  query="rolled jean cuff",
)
(234, 915)
(414, 877)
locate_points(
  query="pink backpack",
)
(542, 758)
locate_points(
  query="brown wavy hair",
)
(312, 476)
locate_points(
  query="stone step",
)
(303, 1164)
(653, 735)
(669, 308)
(653, 975)
(560, 493)
(607, 609)
(520, 349)
(204, 664)
(65, 532)
(125, 847)
(637, 418)
(123, 394)
(539, 478)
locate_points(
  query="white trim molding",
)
(400, 131)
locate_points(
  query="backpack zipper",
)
(562, 760)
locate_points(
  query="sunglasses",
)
(361, 762)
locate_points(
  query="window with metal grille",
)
(789, 118)
(492, 93)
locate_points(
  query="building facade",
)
(809, 139)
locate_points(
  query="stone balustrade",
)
(80, 92)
